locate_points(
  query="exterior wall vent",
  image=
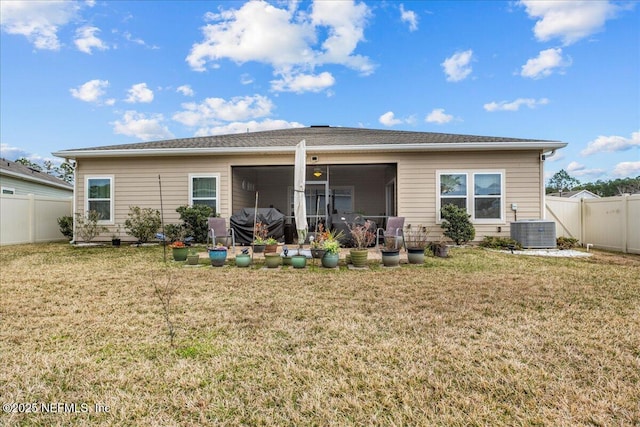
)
(534, 234)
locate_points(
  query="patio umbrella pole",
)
(255, 217)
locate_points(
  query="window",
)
(7, 190)
(480, 193)
(204, 191)
(100, 197)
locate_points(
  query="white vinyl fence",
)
(611, 223)
(32, 219)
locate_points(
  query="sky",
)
(78, 74)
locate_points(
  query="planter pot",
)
(193, 259)
(330, 260)
(217, 256)
(243, 260)
(286, 260)
(115, 242)
(415, 255)
(299, 261)
(317, 253)
(271, 249)
(441, 251)
(180, 254)
(359, 257)
(257, 249)
(391, 258)
(272, 260)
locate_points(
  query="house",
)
(578, 194)
(18, 179)
(377, 173)
(30, 203)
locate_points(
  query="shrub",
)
(66, 226)
(88, 227)
(494, 242)
(566, 242)
(195, 221)
(456, 224)
(174, 232)
(143, 224)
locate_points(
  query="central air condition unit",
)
(534, 233)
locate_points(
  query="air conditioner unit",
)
(534, 233)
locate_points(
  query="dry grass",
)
(482, 338)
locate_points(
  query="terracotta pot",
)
(271, 249)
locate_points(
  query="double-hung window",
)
(204, 189)
(100, 196)
(481, 193)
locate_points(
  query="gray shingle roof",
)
(314, 136)
(30, 174)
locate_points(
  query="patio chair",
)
(395, 229)
(219, 233)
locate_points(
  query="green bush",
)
(174, 232)
(87, 226)
(143, 224)
(566, 242)
(456, 224)
(195, 221)
(66, 226)
(494, 242)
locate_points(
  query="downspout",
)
(543, 200)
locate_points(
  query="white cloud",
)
(246, 79)
(627, 169)
(612, 143)
(438, 116)
(544, 64)
(86, 40)
(90, 91)
(300, 83)
(12, 153)
(250, 126)
(457, 67)
(579, 170)
(215, 111)
(409, 17)
(38, 21)
(515, 105)
(568, 20)
(287, 39)
(389, 119)
(139, 93)
(185, 90)
(142, 127)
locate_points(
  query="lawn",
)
(480, 338)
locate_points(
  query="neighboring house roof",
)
(318, 139)
(20, 171)
(578, 194)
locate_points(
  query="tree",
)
(561, 181)
(28, 163)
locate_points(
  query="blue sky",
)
(82, 74)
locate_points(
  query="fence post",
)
(625, 222)
(32, 218)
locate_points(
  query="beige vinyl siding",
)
(136, 182)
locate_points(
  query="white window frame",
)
(205, 175)
(111, 199)
(471, 196)
(8, 191)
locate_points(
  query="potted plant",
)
(260, 232)
(362, 237)
(115, 237)
(271, 245)
(390, 252)
(217, 255)
(416, 239)
(193, 258)
(286, 258)
(179, 251)
(331, 255)
(243, 259)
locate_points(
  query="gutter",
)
(462, 146)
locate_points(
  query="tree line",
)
(562, 182)
(64, 171)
